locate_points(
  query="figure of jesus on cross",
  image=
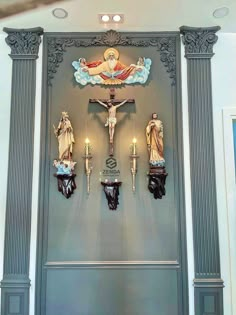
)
(111, 107)
(111, 119)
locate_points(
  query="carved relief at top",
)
(111, 38)
(165, 45)
(199, 41)
(24, 41)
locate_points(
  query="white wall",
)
(224, 96)
(187, 181)
(35, 187)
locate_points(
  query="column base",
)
(15, 295)
(208, 296)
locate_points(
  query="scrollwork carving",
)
(24, 42)
(199, 40)
(111, 38)
(165, 45)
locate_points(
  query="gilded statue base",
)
(157, 179)
(111, 190)
(66, 184)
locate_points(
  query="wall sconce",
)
(133, 159)
(111, 18)
(87, 168)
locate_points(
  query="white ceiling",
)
(146, 15)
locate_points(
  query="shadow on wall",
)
(12, 7)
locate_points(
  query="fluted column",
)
(208, 283)
(24, 44)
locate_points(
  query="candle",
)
(134, 164)
(134, 146)
(86, 146)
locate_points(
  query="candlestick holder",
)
(133, 160)
(87, 167)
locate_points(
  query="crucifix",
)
(111, 104)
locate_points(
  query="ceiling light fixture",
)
(221, 12)
(116, 18)
(111, 18)
(60, 13)
(105, 18)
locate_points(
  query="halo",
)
(65, 114)
(109, 51)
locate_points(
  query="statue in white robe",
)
(64, 134)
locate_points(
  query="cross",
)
(112, 98)
(111, 104)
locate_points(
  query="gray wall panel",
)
(81, 237)
(116, 292)
(142, 228)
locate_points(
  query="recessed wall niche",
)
(85, 245)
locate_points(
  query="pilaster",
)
(24, 44)
(208, 284)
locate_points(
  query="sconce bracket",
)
(111, 190)
(66, 184)
(157, 179)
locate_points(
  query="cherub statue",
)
(64, 168)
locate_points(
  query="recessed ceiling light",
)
(105, 18)
(59, 13)
(116, 18)
(221, 12)
(111, 18)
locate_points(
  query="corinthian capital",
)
(199, 41)
(24, 41)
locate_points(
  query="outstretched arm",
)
(101, 103)
(122, 103)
